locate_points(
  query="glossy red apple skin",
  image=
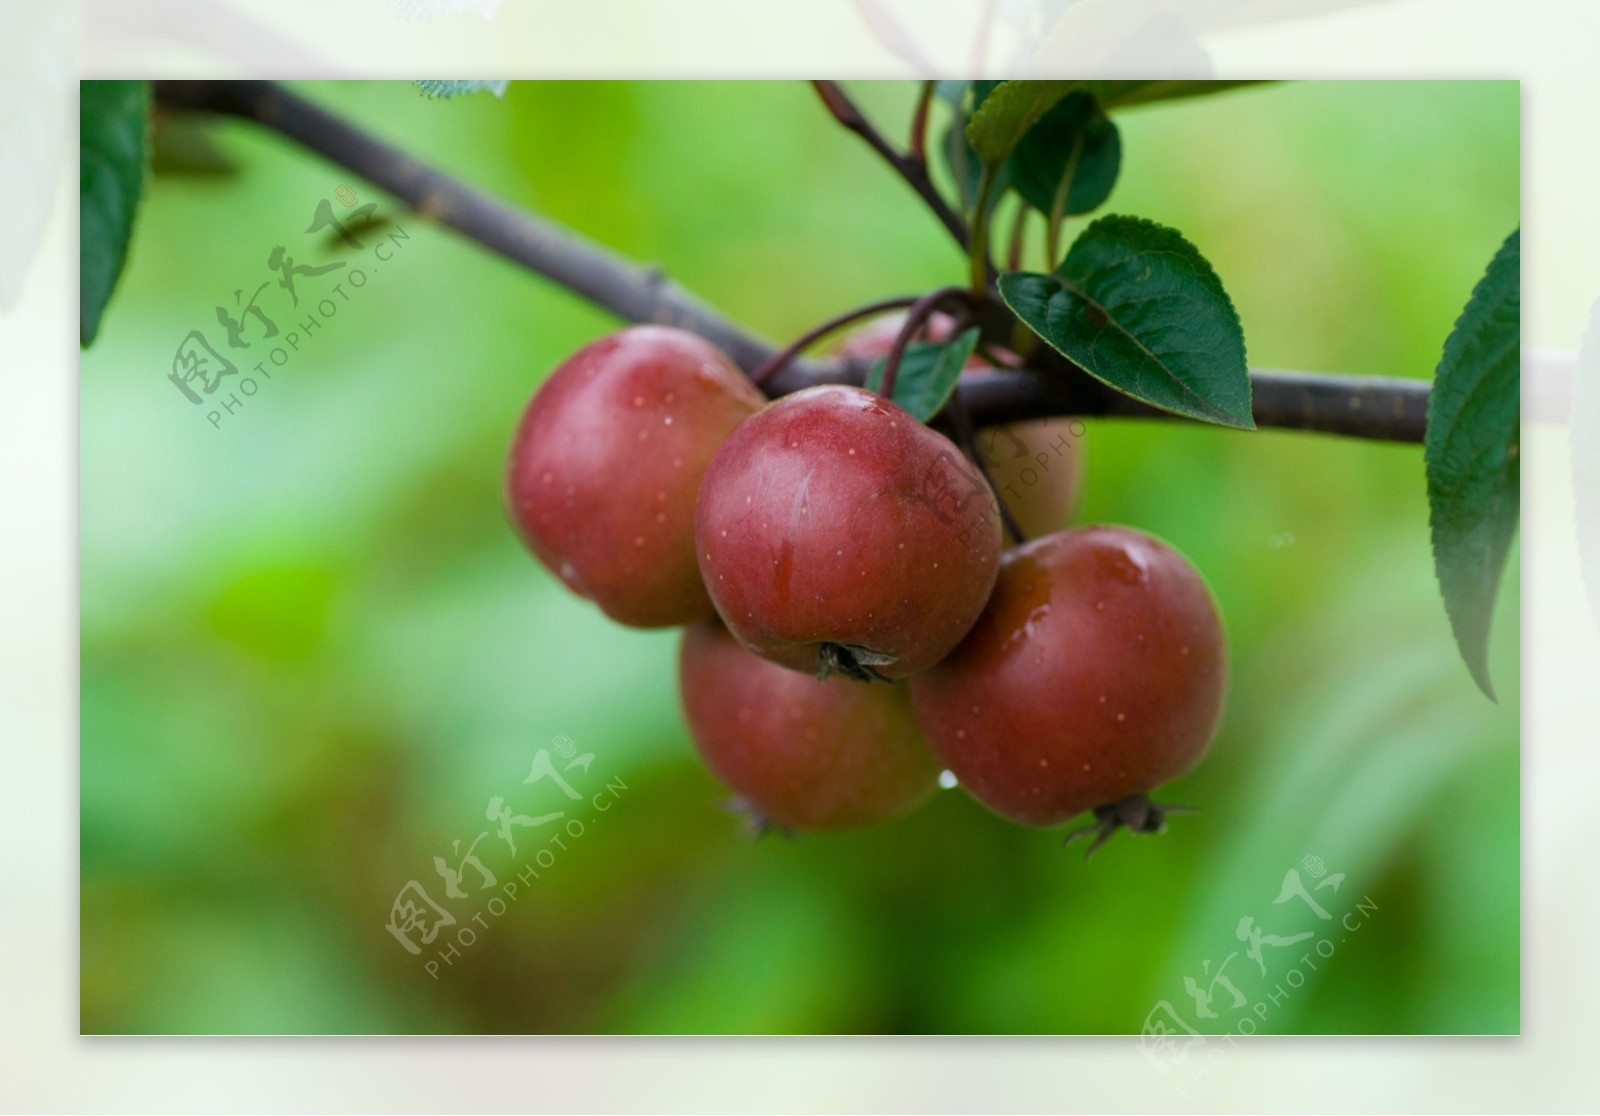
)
(806, 755)
(1097, 672)
(606, 463)
(833, 516)
(1037, 466)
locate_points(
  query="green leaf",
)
(965, 166)
(1075, 147)
(113, 120)
(1137, 307)
(1124, 94)
(447, 89)
(1008, 112)
(967, 170)
(1472, 454)
(927, 374)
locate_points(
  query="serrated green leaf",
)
(1139, 308)
(927, 375)
(1125, 94)
(1075, 147)
(1008, 112)
(113, 121)
(447, 89)
(1472, 454)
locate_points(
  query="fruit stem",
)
(775, 363)
(1019, 225)
(916, 317)
(1058, 208)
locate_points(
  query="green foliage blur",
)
(313, 651)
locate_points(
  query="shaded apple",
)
(802, 754)
(1096, 673)
(606, 463)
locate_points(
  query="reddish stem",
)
(919, 124)
(916, 318)
(914, 171)
(780, 360)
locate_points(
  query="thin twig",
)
(918, 147)
(914, 171)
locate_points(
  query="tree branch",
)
(1367, 407)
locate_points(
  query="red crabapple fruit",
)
(606, 463)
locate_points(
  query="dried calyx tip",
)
(752, 822)
(858, 663)
(1135, 812)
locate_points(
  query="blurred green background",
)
(312, 650)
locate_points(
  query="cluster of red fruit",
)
(851, 611)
